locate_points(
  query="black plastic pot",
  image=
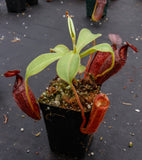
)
(16, 5)
(63, 129)
(32, 2)
(90, 4)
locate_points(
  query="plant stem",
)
(74, 46)
(80, 105)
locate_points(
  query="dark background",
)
(42, 27)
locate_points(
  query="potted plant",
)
(72, 106)
(16, 5)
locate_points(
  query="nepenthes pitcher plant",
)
(107, 61)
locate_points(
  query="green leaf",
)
(60, 49)
(68, 66)
(103, 47)
(71, 28)
(84, 38)
(81, 69)
(40, 63)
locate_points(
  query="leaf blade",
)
(82, 68)
(103, 47)
(60, 49)
(40, 63)
(71, 28)
(68, 66)
(84, 38)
